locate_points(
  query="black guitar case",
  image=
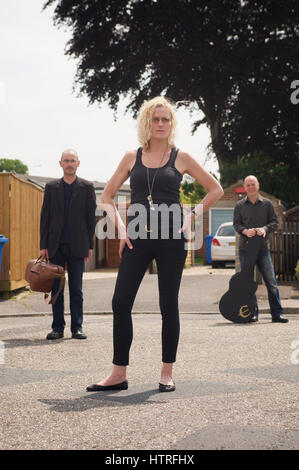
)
(238, 304)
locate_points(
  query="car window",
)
(226, 231)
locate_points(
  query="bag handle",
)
(54, 298)
(39, 260)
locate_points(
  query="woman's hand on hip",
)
(187, 226)
(123, 242)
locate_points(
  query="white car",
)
(223, 247)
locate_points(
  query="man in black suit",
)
(67, 226)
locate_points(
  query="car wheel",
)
(214, 264)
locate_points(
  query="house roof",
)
(292, 210)
(232, 186)
(262, 193)
(41, 181)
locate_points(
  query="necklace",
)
(150, 186)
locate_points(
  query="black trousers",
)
(170, 258)
(75, 267)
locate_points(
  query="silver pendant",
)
(147, 229)
(150, 200)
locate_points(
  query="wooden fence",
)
(20, 205)
(284, 245)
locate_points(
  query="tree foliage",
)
(274, 177)
(7, 164)
(192, 192)
(230, 62)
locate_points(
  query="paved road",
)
(237, 385)
(201, 289)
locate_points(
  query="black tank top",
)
(166, 187)
(167, 217)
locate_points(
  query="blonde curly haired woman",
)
(155, 170)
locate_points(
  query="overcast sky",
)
(40, 114)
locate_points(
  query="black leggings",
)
(170, 258)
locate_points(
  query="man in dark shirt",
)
(255, 216)
(67, 227)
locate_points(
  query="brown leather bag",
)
(41, 274)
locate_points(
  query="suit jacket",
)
(82, 218)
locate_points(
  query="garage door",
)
(218, 217)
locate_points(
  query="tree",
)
(274, 177)
(231, 62)
(192, 192)
(7, 164)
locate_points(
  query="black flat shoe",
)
(102, 388)
(55, 335)
(166, 388)
(79, 335)
(280, 319)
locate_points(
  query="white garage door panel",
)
(219, 216)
